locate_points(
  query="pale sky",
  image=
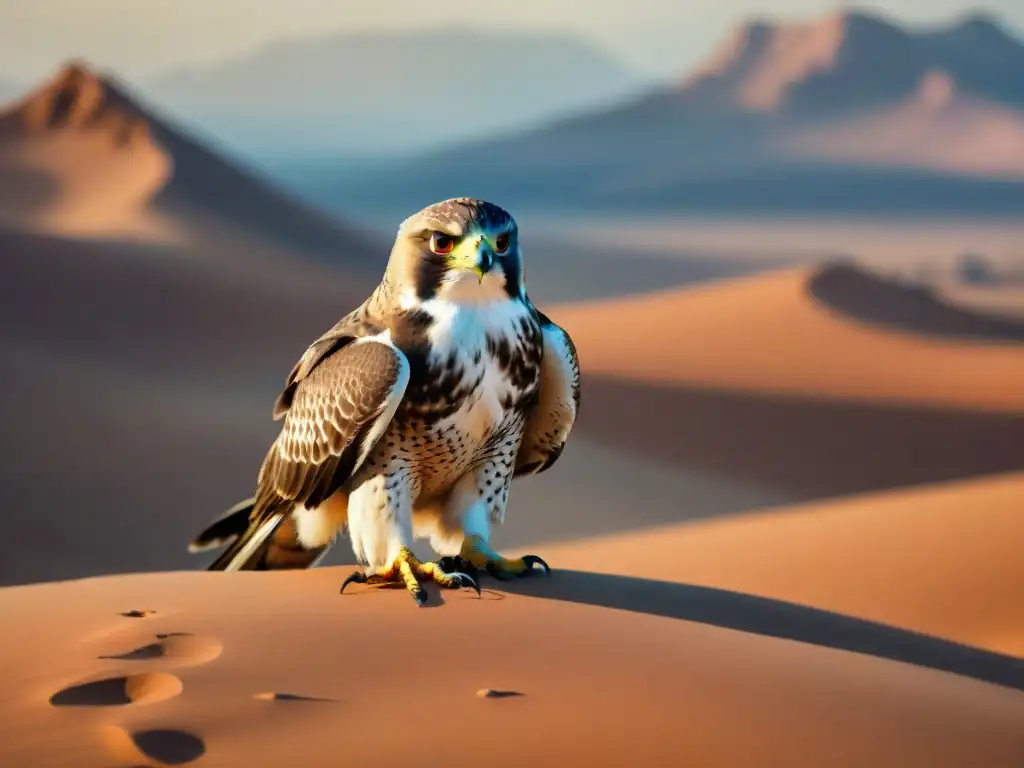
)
(134, 38)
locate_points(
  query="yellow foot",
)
(408, 570)
(477, 556)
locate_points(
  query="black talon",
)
(420, 596)
(464, 577)
(357, 577)
(532, 560)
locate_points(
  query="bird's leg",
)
(476, 501)
(380, 529)
(477, 555)
(407, 569)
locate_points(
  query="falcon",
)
(411, 417)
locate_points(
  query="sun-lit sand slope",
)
(254, 669)
(80, 156)
(805, 333)
(805, 384)
(99, 178)
(942, 560)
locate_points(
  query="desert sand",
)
(831, 332)
(941, 559)
(882, 628)
(784, 532)
(249, 669)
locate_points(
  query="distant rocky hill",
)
(80, 155)
(391, 91)
(847, 112)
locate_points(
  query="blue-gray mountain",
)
(391, 92)
(846, 113)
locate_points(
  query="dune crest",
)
(82, 161)
(939, 559)
(770, 333)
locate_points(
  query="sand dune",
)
(803, 384)
(80, 156)
(771, 335)
(167, 669)
(940, 560)
(138, 388)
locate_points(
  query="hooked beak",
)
(484, 260)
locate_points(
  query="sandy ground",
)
(876, 629)
(251, 669)
(827, 333)
(940, 559)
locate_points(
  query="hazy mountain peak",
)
(981, 23)
(77, 96)
(79, 154)
(852, 60)
(377, 91)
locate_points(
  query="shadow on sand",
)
(806, 446)
(856, 295)
(772, 618)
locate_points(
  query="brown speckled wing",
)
(337, 412)
(355, 325)
(553, 414)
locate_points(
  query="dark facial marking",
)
(430, 273)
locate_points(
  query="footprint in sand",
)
(143, 688)
(493, 693)
(278, 696)
(137, 614)
(168, 746)
(181, 647)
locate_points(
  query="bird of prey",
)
(411, 417)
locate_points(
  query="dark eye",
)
(441, 244)
(501, 244)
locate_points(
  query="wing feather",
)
(355, 325)
(553, 414)
(337, 411)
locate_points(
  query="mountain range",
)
(849, 112)
(390, 92)
(845, 112)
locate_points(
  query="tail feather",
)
(248, 551)
(226, 528)
(266, 545)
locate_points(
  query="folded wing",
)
(552, 416)
(335, 408)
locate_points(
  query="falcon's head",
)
(460, 250)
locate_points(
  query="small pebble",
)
(491, 693)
